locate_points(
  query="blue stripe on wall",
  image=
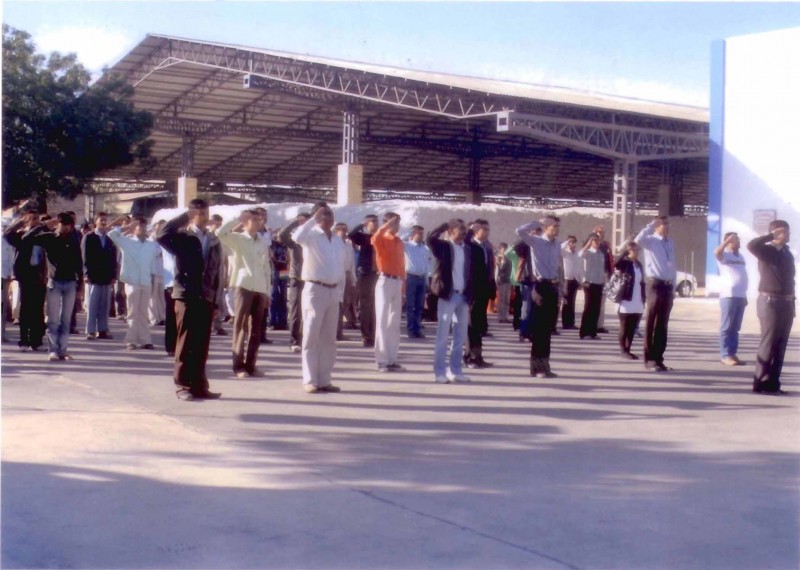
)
(717, 137)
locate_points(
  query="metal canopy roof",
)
(418, 130)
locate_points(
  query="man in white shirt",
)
(252, 278)
(573, 269)
(323, 271)
(732, 297)
(138, 272)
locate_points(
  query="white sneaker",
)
(458, 377)
(294, 348)
(441, 379)
(52, 357)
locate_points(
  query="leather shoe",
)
(329, 388)
(603, 330)
(209, 395)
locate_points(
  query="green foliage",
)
(58, 132)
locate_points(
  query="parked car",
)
(685, 284)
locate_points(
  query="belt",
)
(421, 276)
(777, 296)
(540, 280)
(390, 276)
(655, 280)
(328, 285)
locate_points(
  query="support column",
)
(351, 174)
(624, 201)
(187, 184)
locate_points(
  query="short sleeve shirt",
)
(733, 275)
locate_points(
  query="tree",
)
(58, 132)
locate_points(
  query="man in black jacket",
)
(451, 283)
(100, 270)
(198, 279)
(30, 270)
(64, 272)
(775, 305)
(484, 288)
(361, 236)
(295, 288)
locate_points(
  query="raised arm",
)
(302, 234)
(285, 235)
(524, 232)
(646, 232)
(433, 235)
(168, 233)
(226, 234)
(760, 247)
(358, 237)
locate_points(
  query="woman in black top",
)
(633, 297)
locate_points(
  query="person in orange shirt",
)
(391, 264)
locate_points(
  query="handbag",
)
(615, 288)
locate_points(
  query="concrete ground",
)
(605, 467)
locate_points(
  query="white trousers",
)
(388, 308)
(158, 304)
(138, 325)
(320, 306)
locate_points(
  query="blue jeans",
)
(99, 306)
(60, 301)
(732, 312)
(455, 312)
(415, 298)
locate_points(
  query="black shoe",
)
(603, 330)
(395, 367)
(222, 332)
(627, 355)
(266, 341)
(481, 363)
(487, 334)
(104, 336)
(161, 323)
(148, 346)
(369, 344)
(555, 332)
(661, 367)
(208, 395)
(770, 392)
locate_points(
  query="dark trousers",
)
(278, 318)
(431, 312)
(248, 321)
(415, 298)
(295, 296)
(593, 302)
(627, 328)
(516, 305)
(478, 326)
(31, 311)
(193, 319)
(776, 315)
(366, 305)
(659, 305)
(76, 306)
(543, 317)
(568, 308)
(171, 329)
(119, 304)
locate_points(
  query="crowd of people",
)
(313, 276)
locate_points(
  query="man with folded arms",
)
(250, 276)
(195, 291)
(661, 271)
(391, 262)
(775, 305)
(323, 270)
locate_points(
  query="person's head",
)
(551, 226)
(371, 223)
(251, 221)
(417, 234)
(324, 216)
(780, 231)
(140, 228)
(392, 217)
(215, 221)
(572, 243)
(65, 224)
(593, 240)
(632, 249)
(263, 216)
(734, 243)
(101, 221)
(456, 231)
(600, 231)
(481, 229)
(31, 217)
(662, 226)
(502, 247)
(198, 213)
(341, 230)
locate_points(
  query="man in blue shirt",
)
(417, 264)
(661, 271)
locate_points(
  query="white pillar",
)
(351, 184)
(187, 191)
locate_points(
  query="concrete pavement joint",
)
(461, 527)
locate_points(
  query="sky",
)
(655, 51)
